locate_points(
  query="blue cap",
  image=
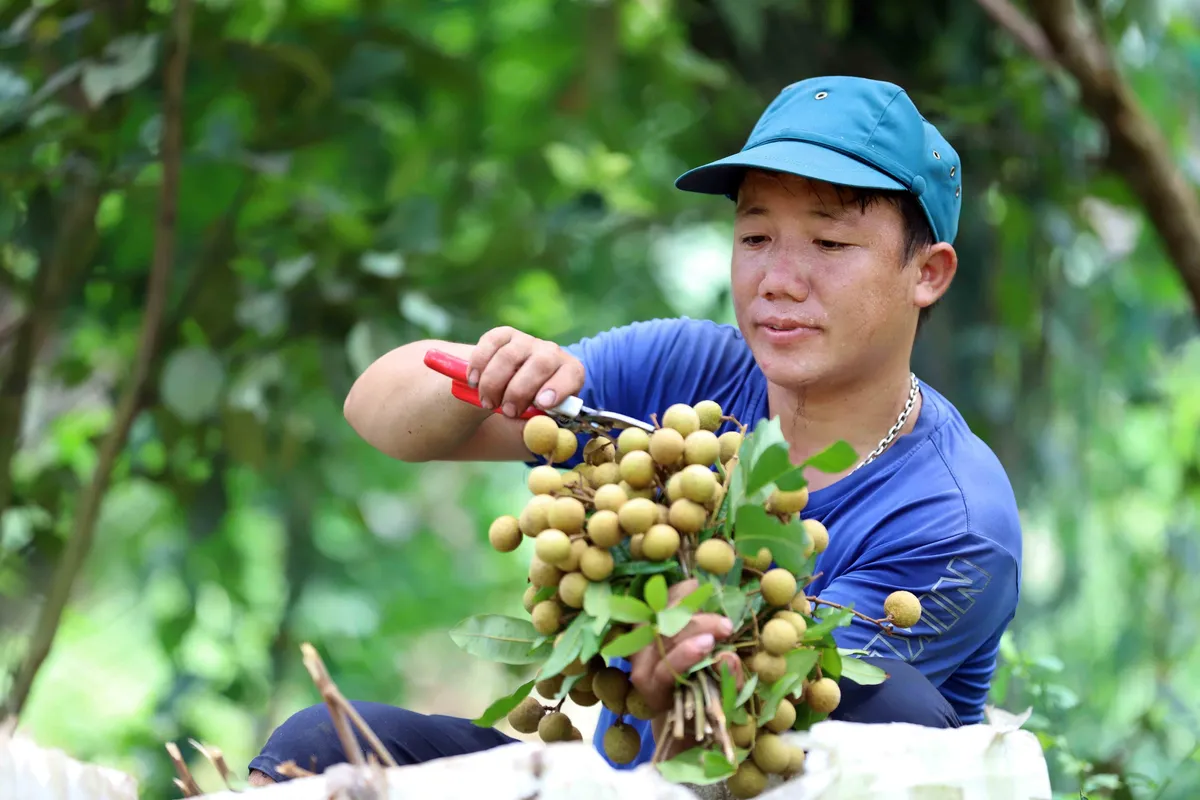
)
(849, 131)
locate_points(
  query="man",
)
(847, 206)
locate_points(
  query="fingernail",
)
(510, 410)
(726, 626)
(473, 378)
(704, 641)
(483, 401)
(546, 398)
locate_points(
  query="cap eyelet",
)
(957, 191)
(820, 95)
(952, 171)
(937, 155)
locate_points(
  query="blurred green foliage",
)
(359, 174)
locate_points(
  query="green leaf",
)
(690, 767)
(627, 644)
(861, 672)
(673, 620)
(656, 593)
(835, 458)
(788, 542)
(716, 766)
(733, 604)
(506, 640)
(629, 609)
(596, 603)
(768, 466)
(643, 568)
(568, 683)
(802, 660)
(590, 639)
(566, 651)
(499, 709)
(830, 618)
(192, 382)
(728, 690)
(776, 692)
(747, 691)
(544, 593)
(695, 600)
(701, 665)
(831, 663)
(792, 481)
(128, 60)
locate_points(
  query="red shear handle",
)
(456, 369)
(451, 366)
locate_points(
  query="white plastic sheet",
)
(30, 772)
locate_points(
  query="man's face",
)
(820, 286)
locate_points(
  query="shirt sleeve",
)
(967, 585)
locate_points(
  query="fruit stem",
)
(881, 622)
(662, 652)
(811, 579)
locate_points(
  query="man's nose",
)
(785, 279)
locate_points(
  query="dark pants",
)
(308, 737)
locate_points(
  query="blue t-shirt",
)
(935, 514)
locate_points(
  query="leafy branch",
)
(87, 513)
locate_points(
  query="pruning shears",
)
(571, 413)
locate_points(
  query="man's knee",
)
(308, 738)
(906, 696)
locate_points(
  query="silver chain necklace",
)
(891, 434)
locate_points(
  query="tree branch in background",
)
(1141, 154)
(91, 498)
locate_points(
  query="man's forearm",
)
(404, 409)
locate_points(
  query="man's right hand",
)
(513, 370)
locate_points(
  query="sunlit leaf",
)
(506, 640)
(499, 709)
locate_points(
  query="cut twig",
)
(88, 509)
(217, 759)
(186, 783)
(331, 696)
(680, 719)
(289, 769)
(334, 699)
(712, 701)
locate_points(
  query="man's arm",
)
(404, 409)
(967, 586)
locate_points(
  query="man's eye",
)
(752, 240)
(826, 244)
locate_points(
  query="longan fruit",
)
(604, 474)
(612, 686)
(637, 515)
(696, 483)
(778, 635)
(701, 448)
(549, 688)
(632, 439)
(709, 413)
(636, 706)
(788, 502)
(635, 546)
(609, 497)
(660, 543)
(818, 536)
(637, 469)
(599, 450)
(770, 754)
(682, 418)
(554, 727)
(730, 441)
(793, 619)
(688, 517)
(566, 514)
(530, 592)
(666, 446)
(904, 608)
(565, 447)
(571, 589)
(622, 743)
(545, 479)
(743, 735)
(571, 563)
(543, 574)
(748, 781)
(674, 487)
(552, 546)
(547, 617)
(823, 695)
(801, 604)
(769, 668)
(505, 533)
(778, 587)
(784, 719)
(645, 492)
(535, 516)
(604, 529)
(715, 556)
(528, 713)
(540, 435)
(596, 563)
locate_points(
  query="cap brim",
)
(804, 159)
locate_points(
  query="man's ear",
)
(937, 268)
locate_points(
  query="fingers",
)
(681, 590)
(513, 370)
(735, 666)
(713, 624)
(566, 381)
(528, 384)
(654, 676)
